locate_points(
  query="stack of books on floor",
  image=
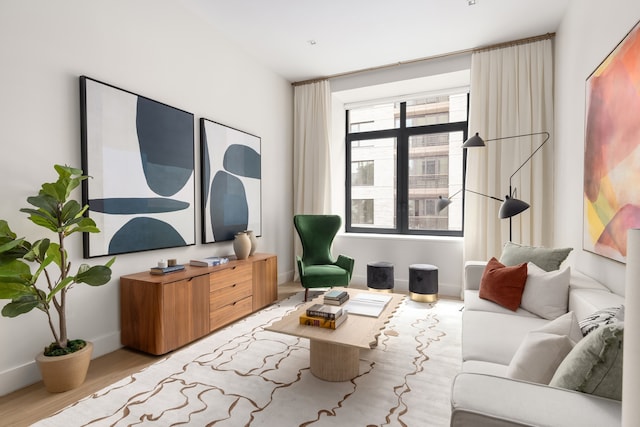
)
(336, 297)
(323, 316)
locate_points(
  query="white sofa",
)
(483, 395)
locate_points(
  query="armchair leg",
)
(306, 294)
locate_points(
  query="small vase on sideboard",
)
(254, 242)
(242, 245)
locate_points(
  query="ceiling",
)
(305, 39)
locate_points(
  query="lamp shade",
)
(442, 203)
(512, 207)
(474, 141)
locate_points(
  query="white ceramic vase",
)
(242, 245)
(254, 242)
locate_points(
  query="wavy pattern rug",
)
(243, 375)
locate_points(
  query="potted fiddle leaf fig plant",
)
(38, 275)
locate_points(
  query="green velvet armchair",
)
(316, 266)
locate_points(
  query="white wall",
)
(590, 30)
(155, 48)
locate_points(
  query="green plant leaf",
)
(15, 271)
(41, 247)
(10, 245)
(44, 203)
(63, 284)
(20, 306)
(57, 190)
(97, 275)
(5, 231)
(70, 211)
(68, 179)
(67, 170)
(14, 290)
(42, 219)
(83, 225)
(53, 255)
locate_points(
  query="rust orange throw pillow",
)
(503, 285)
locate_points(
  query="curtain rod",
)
(430, 58)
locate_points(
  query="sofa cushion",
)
(538, 357)
(487, 368)
(546, 258)
(503, 285)
(472, 301)
(484, 400)
(594, 365)
(546, 293)
(494, 337)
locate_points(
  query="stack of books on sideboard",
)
(329, 315)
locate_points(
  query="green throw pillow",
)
(545, 258)
(594, 365)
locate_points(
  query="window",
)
(362, 211)
(362, 172)
(401, 156)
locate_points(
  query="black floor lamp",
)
(511, 206)
(443, 202)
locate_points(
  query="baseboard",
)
(24, 375)
(16, 378)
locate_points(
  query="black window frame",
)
(402, 135)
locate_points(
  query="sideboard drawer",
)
(230, 294)
(227, 314)
(228, 276)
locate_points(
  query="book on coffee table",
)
(335, 297)
(322, 322)
(367, 304)
(325, 311)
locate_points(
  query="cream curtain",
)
(311, 132)
(311, 155)
(511, 94)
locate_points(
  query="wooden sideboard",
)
(159, 313)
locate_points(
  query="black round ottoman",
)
(423, 282)
(380, 276)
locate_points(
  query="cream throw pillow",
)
(546, 293)
(538, 357)
(544, 349)
(567, 324)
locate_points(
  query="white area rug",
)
(243, 375)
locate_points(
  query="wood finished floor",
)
(30, 404)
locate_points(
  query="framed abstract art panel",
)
(612, 150)
(139, 154)
(231, 195)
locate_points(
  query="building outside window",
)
(401, 156)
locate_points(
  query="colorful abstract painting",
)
(140, 156)
(612, 150)
(231, 182)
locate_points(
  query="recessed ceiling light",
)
(311, 42)
(471, 2)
